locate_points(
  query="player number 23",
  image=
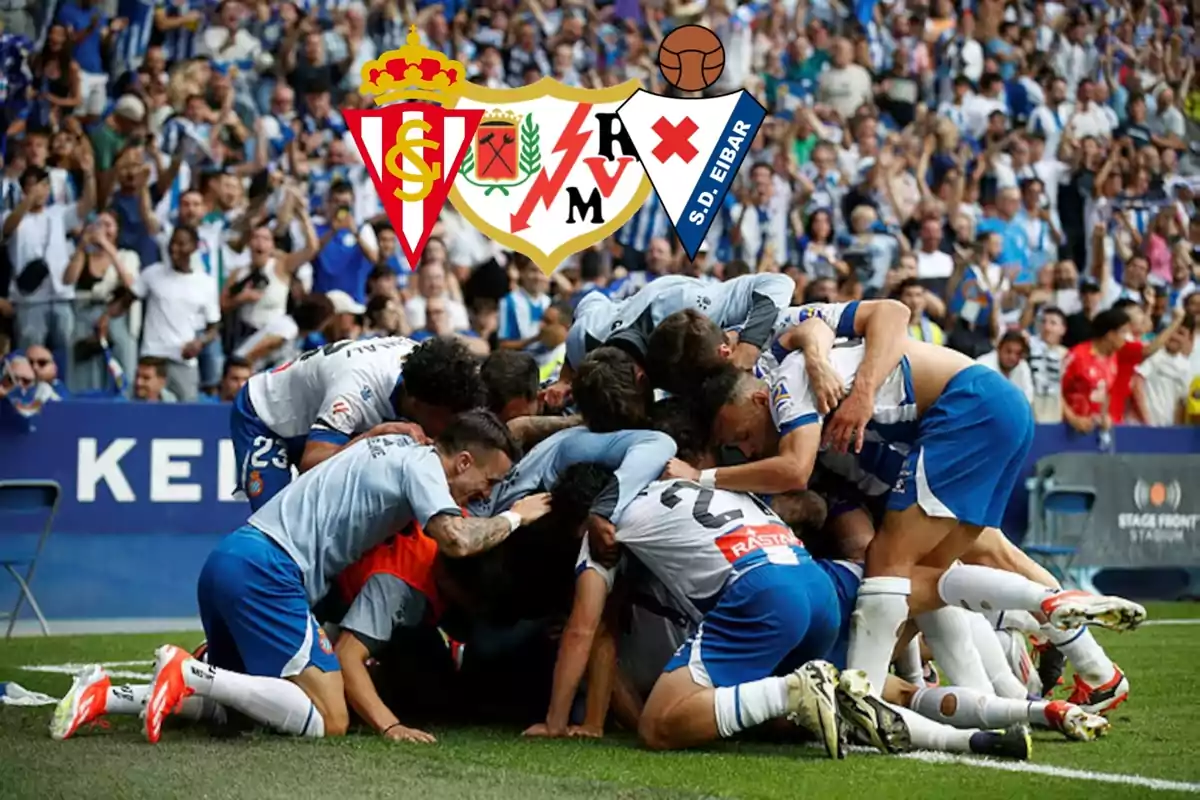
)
(263, 445)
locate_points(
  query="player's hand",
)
(533, 507)
(409, 429)
(555, 395)
(827, 386)
(849, 423)
(543, 731)
(584, 732)
(678, 469)
(399, 733)
(602, 540)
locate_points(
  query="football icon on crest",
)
(692, 147)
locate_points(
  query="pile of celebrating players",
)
(726, 516)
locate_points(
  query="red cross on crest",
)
(676, 139)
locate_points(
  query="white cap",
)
(344, 303)
(131, 108)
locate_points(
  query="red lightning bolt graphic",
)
(545, 186)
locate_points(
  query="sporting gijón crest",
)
(413, 151)
(549, 170)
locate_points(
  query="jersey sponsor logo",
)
(340, 408)
(692, 148)
(413, 149)
(550, 170)
(743, 541)
(254, 484)
(366, 394)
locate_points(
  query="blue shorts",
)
(970, 450)
(264, 458)
(846, 576)
(769, 621)
(255, 611)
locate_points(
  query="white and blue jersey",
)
(328, 394)
(521, 315)
(727, 554)
(649, 222)
(256, 589)
(134, 41)
(637, 456)
(181, 43)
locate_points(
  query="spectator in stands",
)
(384, 317)
(920, 326)
(438, 322)
(521, 309)
(182, 313)
(45, 370)
(432, 282)
(1090, 371)
(21, 392)
(1010, 360)
(1046, 355)
(150, 382)
(1161, 382)
(237, 372)
(344, 259)
(1079, 324)
(346, 322)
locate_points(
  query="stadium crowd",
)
(182, 205)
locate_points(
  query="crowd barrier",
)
(148, 490)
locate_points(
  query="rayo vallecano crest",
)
(413, 148)
(550, 170)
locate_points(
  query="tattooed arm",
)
(533, 429)
(459, 537)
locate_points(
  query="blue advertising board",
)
(148, 491)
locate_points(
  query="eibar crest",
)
(413, 149)
(692, 148)
(550, 170)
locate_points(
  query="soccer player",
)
(303, 412)
(966, 431)
(267, 658)
(511, 380)
(748, 306)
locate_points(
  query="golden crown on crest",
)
(496, 116)
(412, 72)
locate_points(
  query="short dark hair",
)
(718, 390)
(904, 285)
(608, 392)
(159, 365)
(576, 489)
(1108, 321)
(803, 511)
(375, 307)
(34, 175)
(339, 186)
(509, 375)
(1054, 311)
(312, 311)
(189, 230)
(682, 350)
(1014, 336)
(1125, 302)
(478, 429)
(677, 418)
(234, 362)
(443, 373)
(380, 272)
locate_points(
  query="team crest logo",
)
(323, 641)
(692, 147)
(413, 149)
(254, 484)
(549, 170)
(781, 398)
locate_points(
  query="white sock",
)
(929, 735)
(881, 610)
(129, 699)
(202, 709)
(970, 709)
(947, 631)
(985, 589)
(749, 704)
(995, 663)
(1084, 653)
(909, 666)
(274, 702)
(1021, 621)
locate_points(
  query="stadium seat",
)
(25, 497)
(1058, 516)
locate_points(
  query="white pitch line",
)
(1149, 622)
(72, 669)
(1156, 784)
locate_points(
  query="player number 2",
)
(670, 498)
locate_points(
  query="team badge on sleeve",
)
(691, 148)
(781, 398)
(254, 484)
(413, 149)
(550, 170)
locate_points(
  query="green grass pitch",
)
(1152, 737)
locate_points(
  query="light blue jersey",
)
(337, 511)
(592, 324)
(638, 457)
(748, 305)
